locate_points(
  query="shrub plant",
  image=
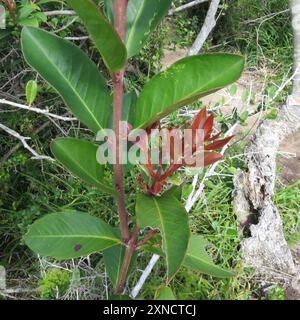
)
(119, 32)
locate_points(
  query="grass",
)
(287, 200)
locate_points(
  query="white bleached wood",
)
(186, 6)
(23, 140)
(36, 110)
(209, 24)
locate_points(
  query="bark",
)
(120, 7)
(209, 24)
(186, 6)
(295, 11)
(264, 246)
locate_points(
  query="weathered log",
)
(264, 246)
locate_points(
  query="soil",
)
(290, 166)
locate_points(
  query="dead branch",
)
(36, 110)
(186, 6)
(209, 24)
(23, 140)
(171, 12)
(264, 246)
(60, 13)
(295, 11)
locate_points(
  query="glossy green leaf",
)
(175, 191)
(198, 259)
(128, 110)
(70, 235)
(164, 293)
(29, 22)
(109, 10)
(106, 39)
(129, 107)
(31, 91)
(184, 82)
(26, 10)
(167, 214)
(76, 78)
(142, 18)
(113, 260)
(79, 157)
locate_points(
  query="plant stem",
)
(131, 246)
(120, 7)
(149, 236)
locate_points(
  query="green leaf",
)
(31, 91)
(244, 116)
(70, 235)
(272, 115)
(198, 259)
(109, 10)
(245, 95)
(76, 78)
(113, 260)
(41, 16)
(167, 214)
(26, 10)
(106, 39)
(175, 191)
(233, 90)
(164, 293)
(80, 158)
(129, 106)
(142, 17)
(128, 110)
(29, 22)
(184, 82)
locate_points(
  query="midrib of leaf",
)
(67, 81)
(75, 236)
(131, 34)
(163, 227)
(199, 259)
(207, 263)
(194, 93)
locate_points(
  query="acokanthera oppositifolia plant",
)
(159, 222)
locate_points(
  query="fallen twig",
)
(60, 13)
(144, 276)
(209, 24)
(16, 135)
(37, 110)
(186, 6)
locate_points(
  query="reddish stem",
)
(120, 7)
(126, 262)
(149, 236)
(120, 16)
